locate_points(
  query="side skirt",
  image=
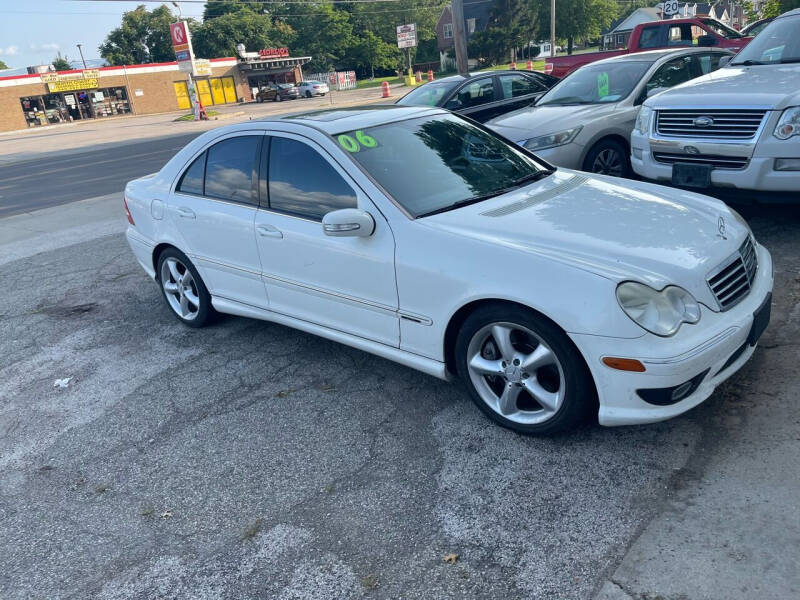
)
(420, 363)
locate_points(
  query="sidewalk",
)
(80, 136)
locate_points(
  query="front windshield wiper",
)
(475, 199)
(748, 63)
(786, 61)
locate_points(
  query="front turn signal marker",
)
(624, 364)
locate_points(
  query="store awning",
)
(272, 65)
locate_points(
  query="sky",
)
(32, 32)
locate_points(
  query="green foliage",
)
(3, 65)
(370, 52)
(143, 37)
(323, 32)
(61, 63)
(218, 36)
(771, 8)
(579, 19)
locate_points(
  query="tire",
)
(608, 157)
(259, 99)
(309, 95)
(189, 300)
(278, 98)
(553, 394)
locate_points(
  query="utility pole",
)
(552, 27)
(460, 37)
(81, 53)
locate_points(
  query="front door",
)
(343, 283)
(214, 206)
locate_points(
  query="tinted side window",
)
(519, 85)
(230, 167)
(303, 183)
(709, 62)
(476, 92)
(672, 73)
(650, 37)
(192, 180)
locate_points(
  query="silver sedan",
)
(585, 121)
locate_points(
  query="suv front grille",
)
(718, 162)
(729, 124)
(731, 281)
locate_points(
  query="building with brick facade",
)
(53, 98)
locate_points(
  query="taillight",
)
(128, 211)
(548, 68)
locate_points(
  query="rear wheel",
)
(522, 371)
(183, 288)
(259, 99)
(308, 94)
(607, 157)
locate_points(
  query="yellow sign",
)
(202, 67)
(71, 85)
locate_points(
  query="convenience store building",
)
(52, 98)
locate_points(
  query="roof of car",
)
(338, 120)
(796, 11)
(654, 55)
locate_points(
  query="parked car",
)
(737, 129)
(482, 96)
(278, 92)
(585, 121)
(423, 237)
(703, 32)
(754, 28)
(313, 88)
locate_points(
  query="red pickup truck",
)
(658, 34)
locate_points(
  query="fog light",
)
(787, 164)
(680, 392)
(637, 153)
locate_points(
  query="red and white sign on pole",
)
(407, 35)
(182, 44)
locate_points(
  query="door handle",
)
(186, 213)
(269, 231)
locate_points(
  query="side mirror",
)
(348, 222)
(656, 90)
(706, 41)
(453, 104)
(724, 61)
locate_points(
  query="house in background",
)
(619, 32)
(476, 18)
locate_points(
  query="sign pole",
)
(460, 38)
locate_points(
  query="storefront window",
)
(33, 109)
(55, 108)
(73, 106)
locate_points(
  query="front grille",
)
(718, 162)
(732, 280)
(732, 124)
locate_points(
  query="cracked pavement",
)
(249, 460)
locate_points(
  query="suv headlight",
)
(659, 312)
(552, 140)
(643, 120)
(789, 124)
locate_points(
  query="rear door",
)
(519, 90)
(479, 99)
(213, 205)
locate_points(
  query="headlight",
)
(643, 120)
(552, 140)
(789, 124)
(659, 312)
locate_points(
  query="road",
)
(67, 177)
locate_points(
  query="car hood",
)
(619, 229)
(543, 120)
(768, 86)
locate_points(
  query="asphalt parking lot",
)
(142, 459)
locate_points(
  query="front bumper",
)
(758, 175)
(707, 347)
(569, 156)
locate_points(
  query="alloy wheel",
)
(180, 288)
(515, 373)
(608, 162)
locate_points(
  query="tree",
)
(218, 36)
(323, 32)
(61, 63)
(578, 19)
(771, 8)
(371, 51)
(143, 37)
(3, 65)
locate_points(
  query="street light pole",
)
(552, 27)
(460, 37)
(80, 50)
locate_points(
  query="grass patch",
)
(366, 83)
(190, 116)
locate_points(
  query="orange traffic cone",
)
(419, 77)
(430, 74)
(385, 90)
(529, 65)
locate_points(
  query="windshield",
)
(777, 43)
(435, 163)
(428, 95)
(597, 83)
(721, 29)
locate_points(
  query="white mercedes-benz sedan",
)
(429, 240)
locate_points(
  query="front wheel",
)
(522, 370)
(608, 157)
(183, 288)
(308, 95)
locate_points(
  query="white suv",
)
(738, 127)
